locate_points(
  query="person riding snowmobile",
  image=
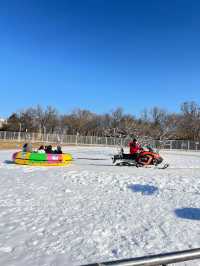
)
(138, 156)
(135, 148)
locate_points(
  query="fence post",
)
(33, 137)
(19, 136)
(171, 144)
(196, 143)
(4, 137)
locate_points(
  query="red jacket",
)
(134, 147)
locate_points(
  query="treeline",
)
(155, 123)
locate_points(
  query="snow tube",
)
(42, 159)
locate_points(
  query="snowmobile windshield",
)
(148, 148)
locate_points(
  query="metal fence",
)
(155, 260)
(59, 138)
(96, 140)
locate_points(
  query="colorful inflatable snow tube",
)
(42, 159)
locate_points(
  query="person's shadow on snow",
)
(144, 189)
(188, 213)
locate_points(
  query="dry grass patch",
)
(18, 145)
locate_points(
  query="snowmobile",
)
(145, 158)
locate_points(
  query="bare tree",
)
(155, 123)
(189, 126)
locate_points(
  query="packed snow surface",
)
(92, 211)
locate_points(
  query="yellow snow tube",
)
(42, 159)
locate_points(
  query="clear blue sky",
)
(99, 54)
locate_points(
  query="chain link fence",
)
(96, 140)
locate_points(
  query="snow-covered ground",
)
(92, 211)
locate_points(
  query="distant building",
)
(2, 121)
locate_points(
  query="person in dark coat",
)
(58, 150)
(49, 149)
